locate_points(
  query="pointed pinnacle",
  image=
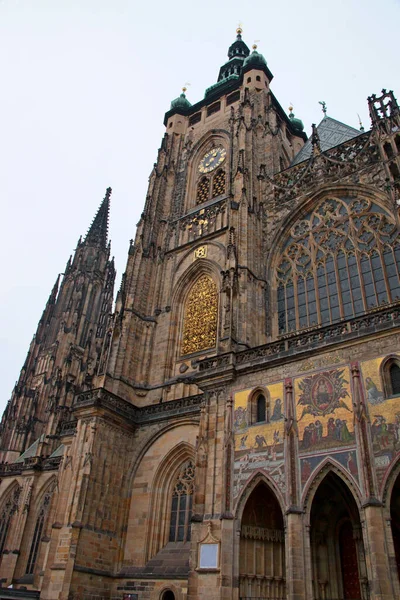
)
(54, 291)
(98, 230)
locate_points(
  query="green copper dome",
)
(255, 60)
(180, 102)
(296, 123)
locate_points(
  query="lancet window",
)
(182, 504)
(37, 534)
(7, 511)
(201, 315)
(339, 261)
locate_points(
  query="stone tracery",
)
(339, 260)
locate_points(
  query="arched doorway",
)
(337, 551)
(395, 517)
(262, 547)
(168, 595)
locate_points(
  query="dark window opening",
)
(261, 409)
(214, 108)
(394, 373)
(388, 149)
(195, 119)
(168, 595)
(258, 78)
(233, 98)
(249, 80)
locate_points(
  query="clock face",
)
(212, 159)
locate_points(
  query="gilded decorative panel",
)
(384, 417)
(259, 446)
(201, 316)
(324, 411)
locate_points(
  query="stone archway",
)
(337, 550)
(395, 520)
(262, 547)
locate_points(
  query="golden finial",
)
(184, 89)
(239, 29)
(290, 108)
(255, 44)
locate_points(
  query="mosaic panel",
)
(259, 446)
(324, 411)
(384, 417)
(347, 459)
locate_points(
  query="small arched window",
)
(259, 407)
(182, 504)
(390, 372)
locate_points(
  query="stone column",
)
(373, 524)
(294, 538)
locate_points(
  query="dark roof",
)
(331, 133)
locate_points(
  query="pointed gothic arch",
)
(196, 191)
(260, 555)
(208, 271)
(336, 545)
(162, 494)
(339, 257)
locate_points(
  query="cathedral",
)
(230, 428)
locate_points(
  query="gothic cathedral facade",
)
(232, 429)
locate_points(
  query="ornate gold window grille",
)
(339, 261)
(200, 317)
(218, 184)
(203, 190)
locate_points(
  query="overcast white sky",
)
(84, 88)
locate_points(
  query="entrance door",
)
(349, 563)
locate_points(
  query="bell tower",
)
(63, 356)
(200, 240)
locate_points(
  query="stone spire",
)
(98, 231)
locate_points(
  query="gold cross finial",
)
(239, 29)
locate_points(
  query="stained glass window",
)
(338, 261)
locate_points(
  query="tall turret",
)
(65, 351)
